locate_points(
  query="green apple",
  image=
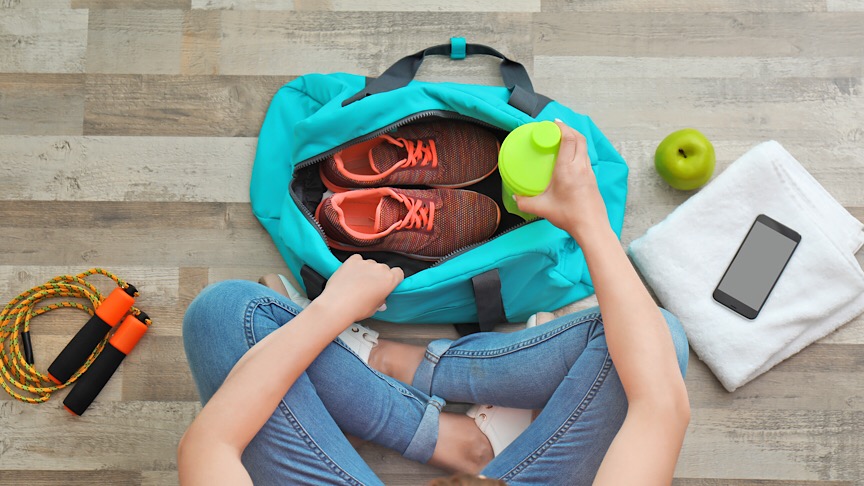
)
(685, 159)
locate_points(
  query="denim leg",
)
(376, 407)
(302, 441)
(563, 367)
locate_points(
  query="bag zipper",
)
(369, 136)
(465, 249)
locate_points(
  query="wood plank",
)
(32, 4)
(851, 333)
(122, 216)
(129, 168)
(750, 110)
(127, 215)
(42, 40)
(192, 282)
(202, 41)
(226, 106)
(593, 67)
(754, 482)
(134, 41)
(845, 6)
(773, 444)
(709, 35)
(157, 370)
(366, 43)
(132, 4)
(159, 478)
(828, 388)
(47, 477)
(695, 6)
(738, 94)
(244, 4)
(174, 248)
(374, 5)
(154, 283)
(41, 104)
(110, 435)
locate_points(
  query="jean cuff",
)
(425, 371)
(426, 437)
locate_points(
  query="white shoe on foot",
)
(501, 425)
(360, 339)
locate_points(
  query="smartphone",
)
(756, 267)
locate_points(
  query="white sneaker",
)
(359, 338)
(501, 425)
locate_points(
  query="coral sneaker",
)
(448, 154)
(423, 224)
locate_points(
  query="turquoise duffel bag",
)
(524, 268)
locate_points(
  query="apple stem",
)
(681, 151)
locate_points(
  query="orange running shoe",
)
(423, 224)
(439, 154)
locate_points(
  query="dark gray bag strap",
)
(489, 302)
(514, 75)
(487, 296)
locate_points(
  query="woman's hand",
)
(360, 286)
(572, 201)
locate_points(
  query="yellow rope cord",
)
(15, 319)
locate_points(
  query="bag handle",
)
(487, 296)
(514, 75)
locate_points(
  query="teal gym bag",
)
(524, 268)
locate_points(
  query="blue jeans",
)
(562, 367)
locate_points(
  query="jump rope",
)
(93, 354)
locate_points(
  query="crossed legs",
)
(561, 367)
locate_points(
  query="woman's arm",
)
(647, 445)
(209, 452)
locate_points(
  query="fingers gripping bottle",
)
(526, 160)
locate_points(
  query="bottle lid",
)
(527, 157)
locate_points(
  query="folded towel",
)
(683, 258)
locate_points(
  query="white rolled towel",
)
(683, 258)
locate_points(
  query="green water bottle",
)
(526, 160)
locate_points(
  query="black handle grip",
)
(27, 347)
(514, 75)
(91, 383)
(79, 348)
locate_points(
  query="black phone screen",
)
(758, 264)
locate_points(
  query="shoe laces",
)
(418, 151)
(421, 214)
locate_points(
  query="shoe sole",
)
(335, 188)
(357, 249)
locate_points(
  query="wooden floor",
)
(127, 134)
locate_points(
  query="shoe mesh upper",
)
(466, 152)
(461, 218)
